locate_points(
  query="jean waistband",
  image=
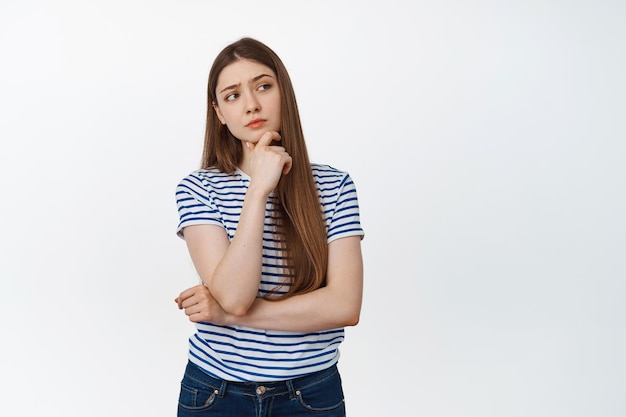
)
(258, 388)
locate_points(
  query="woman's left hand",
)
(199, 305)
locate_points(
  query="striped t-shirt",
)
(236, 353)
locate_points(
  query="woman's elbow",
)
(352, 319)
(236, 306)
(237, 309)
(233, 303)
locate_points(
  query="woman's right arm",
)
(232, 271)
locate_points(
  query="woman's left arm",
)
(336, 305)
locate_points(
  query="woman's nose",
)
(252, 104)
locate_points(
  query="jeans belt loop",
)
(222, 389)
(290, 388)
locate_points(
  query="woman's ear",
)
(218, 112)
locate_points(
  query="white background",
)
(487, 143)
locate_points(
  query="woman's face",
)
(248, 100)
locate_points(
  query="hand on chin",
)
(256, 136)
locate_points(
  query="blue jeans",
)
(318, 394)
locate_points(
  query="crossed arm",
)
(231, 273)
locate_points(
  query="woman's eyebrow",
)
(258, 77)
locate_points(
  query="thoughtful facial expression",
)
(248, 100)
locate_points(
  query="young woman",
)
(276, 241)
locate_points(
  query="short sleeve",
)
(345, 219)
(194, 204)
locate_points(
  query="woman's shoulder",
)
(207, 178)
(327, 171)
(331, 179)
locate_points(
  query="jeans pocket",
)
(324, 396)
(196, 399)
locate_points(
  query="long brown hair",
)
(298, 207)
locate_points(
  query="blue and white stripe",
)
(209, 196)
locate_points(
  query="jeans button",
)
(260, 390)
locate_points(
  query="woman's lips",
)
(256, 123)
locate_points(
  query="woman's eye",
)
(231, 97)
(263, 87)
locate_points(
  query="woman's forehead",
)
(241, 71)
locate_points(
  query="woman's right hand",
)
(200, 306)
(267, 162)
